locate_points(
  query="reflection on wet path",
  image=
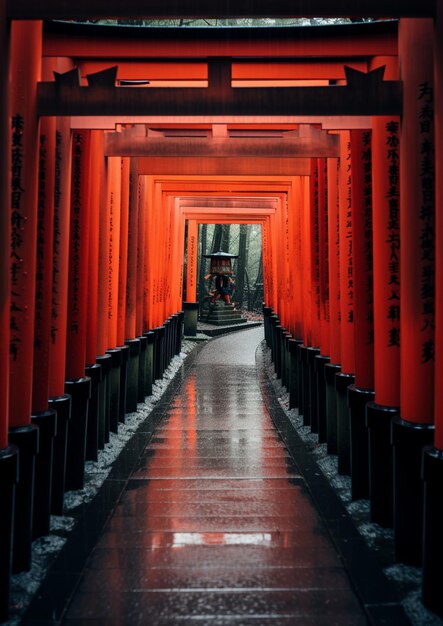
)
(216, 525)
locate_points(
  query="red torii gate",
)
(311, 196)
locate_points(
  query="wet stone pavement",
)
(215, 525)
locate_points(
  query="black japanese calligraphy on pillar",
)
(192, 262)
(55, 302)
(288, 287)
(17, 226)
(324, 273)
(348, 235)
(131, 234)
(76, 228)
(427, 215)
(111, 253)
(39, 275)
(316, 243)
(337, 253)
(393, 230)
(368, 229)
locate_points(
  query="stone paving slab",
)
(210, 526)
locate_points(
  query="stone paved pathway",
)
(216, 526)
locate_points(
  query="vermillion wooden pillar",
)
(362, 392)
(314, 349)
(131, 299)
(414, 428)
(315, 251)
(26, 50)
(280, 306)
(122, 282)
(5, 228)
(8, 453)
(180, 274)
(294, 341)
(126, 281)
(104, 359)
(77, 384)
(386, 262)
(267, 262)
(322, 359)
(346, 376)
(191, 306)
(297, 265)
(45, 219)
(113, 198)
(42, 416)
(58, 399)
(433, 457)
(292, 212)
(155, 276)
(97, 176)
(332, 368)
(307, 299)
(93, 369)
(134, 289)
(323, 220)
(144, 310)
(123, 266)
(114, 212)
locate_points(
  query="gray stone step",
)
(227, 321)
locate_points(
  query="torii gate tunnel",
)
(115, 141)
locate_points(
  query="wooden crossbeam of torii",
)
(364, 94)
(306, 142)
(228, 166)
(161, 9)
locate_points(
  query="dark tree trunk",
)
(226, 231)
(217, 238)
(241, 265)
(203, 237)
(258, 286)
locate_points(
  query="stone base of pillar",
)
(285, 335)
(142, 369)
(267, 312)
(159, 363)
(279, 330)
(432, 532)
(342, 382)
(94, 372)
(294, 396)
(8, 479)
(150, 361)
(319, 367)
(167, 343)
(41, 516)
(132, 375)
(105, 361)
(114, 388)
(123, 383)
(408, 441)
(312, 353)
(357, 401)
(181, 317)
(62, 406)
(174, 331)
(80, 391)
(331, 370)
(305, 406)
(378, 422)
(26, 439)
(273, 323)
(190, 318)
